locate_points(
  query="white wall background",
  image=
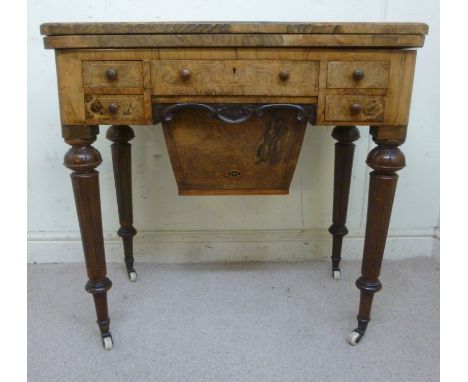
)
(174, 228)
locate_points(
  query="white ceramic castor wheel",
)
(354, 338)
(107, 343)
(132, 276)
(336, 274)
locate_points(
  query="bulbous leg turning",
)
(385, 160)
(82, 158)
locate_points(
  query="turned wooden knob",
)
(356, 108)
(283, 74)
(185, 74)
(358, 74)
(113, 108)
(111, 74)
(96, 107)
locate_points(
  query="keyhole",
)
(234, 173)
(234, 70)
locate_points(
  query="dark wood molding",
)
(233, 112)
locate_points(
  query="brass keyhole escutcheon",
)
(234, 173)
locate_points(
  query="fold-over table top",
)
(231, 34)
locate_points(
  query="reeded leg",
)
(385, 160)
(82, 159)
(344, 153)
(120, 135)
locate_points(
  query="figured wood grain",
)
(234, 63)
(130, 109)
(231, 27)
(261, 53)
(234, 99)
(397, 94)
(398, 98)
(239, 53)
(340, 74)
(234, 77)
(129, 74)
(113, 91)
(233, 40)
(262, 150)
(338, 108)
(70, 89)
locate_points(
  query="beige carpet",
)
(241, 322)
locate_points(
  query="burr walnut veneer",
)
(234, 100)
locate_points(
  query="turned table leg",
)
(344, 153)
(82, 159)
(385, 160)
(120, 135)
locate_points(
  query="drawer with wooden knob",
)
(235, 77)
(104, 109)
(112, 74)
(350, 108)
(357, 74)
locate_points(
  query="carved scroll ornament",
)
(233, 113)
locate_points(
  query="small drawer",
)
(112, 74)
(354, 108)
(114, 108)
(357, 74)
(235, 77)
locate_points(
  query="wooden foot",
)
(120, 135)
(344, 154)
(82, 159)
(385, 160)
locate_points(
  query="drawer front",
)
(357, 74)
(354, 108)
(112, 74)
(234, 77)
(114, 108)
